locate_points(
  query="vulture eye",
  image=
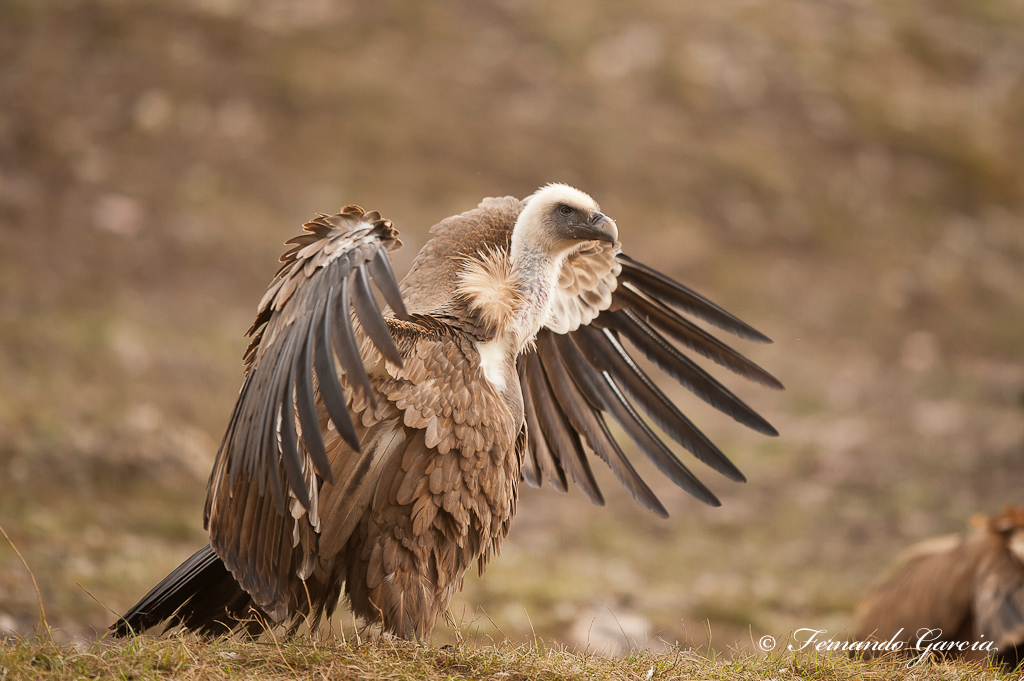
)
(565, 210)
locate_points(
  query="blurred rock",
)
(153, 111)
(935, 418)
(129, 348)
(93, 166)
(896, 287)
(920, 351)
(744, 215)
(282, 16)
(118, 214)
(238, 121)
(71, 134)
(143, 418)
(20, 190)
(610, 632)
(154, 439)
(221, 8)
(194, 118)
(7, 624)
(187, 49)
(838, 440)
(1002, 382)
(733, 69)
(637, 48)
(193, 448)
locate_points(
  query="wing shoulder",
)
(430, 284)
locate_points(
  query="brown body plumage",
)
(956, 588)
(381, 453)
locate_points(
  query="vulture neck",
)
(510, 293)
(536, 270)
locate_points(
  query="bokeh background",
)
(848, 176)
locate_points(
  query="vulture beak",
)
(600, 228)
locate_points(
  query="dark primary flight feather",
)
(200, 594)
(340, 465)
(610, 382)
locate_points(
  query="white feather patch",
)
(585, 287)
(493, 359)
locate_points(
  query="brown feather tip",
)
(350, 216)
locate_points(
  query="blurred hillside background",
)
(847, 176)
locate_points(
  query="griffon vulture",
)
(381, 453)
(960, 589)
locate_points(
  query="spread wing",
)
(306, 343)
(581, 372)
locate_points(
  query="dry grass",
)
(186, 659)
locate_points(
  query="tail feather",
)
(200, 594)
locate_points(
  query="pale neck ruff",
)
(537, 273)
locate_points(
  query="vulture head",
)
(559, 219)
(513, 291)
